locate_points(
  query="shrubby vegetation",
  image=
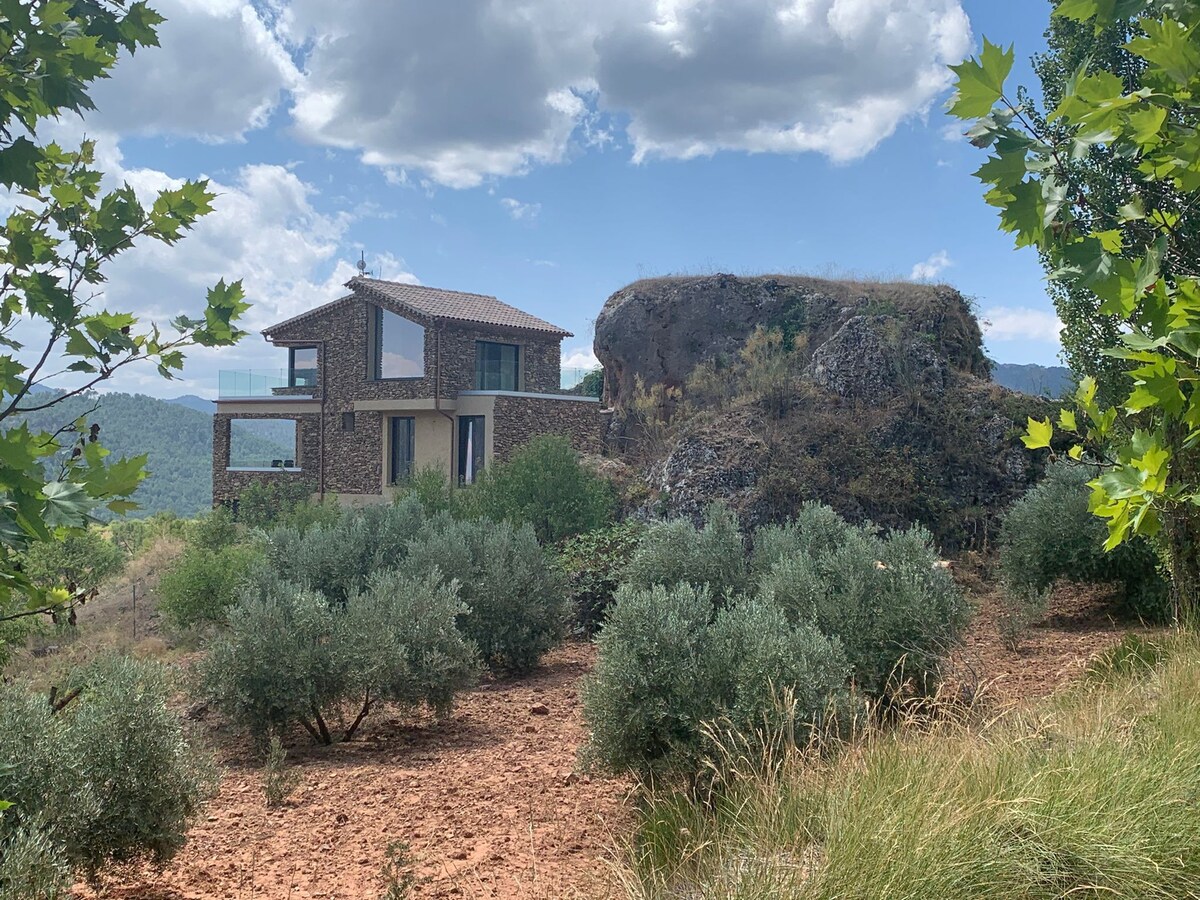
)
(594, 563)
(670, 662)
(516, 598)
(264, 504)
(291, 656)
(545, 486)
(109, 778)
(203, 583)
(1089, 794)
(676, 552)
(77, 563)
(1050, 534)
(336, 558)
(895, 610)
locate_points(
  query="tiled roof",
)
(438, 304)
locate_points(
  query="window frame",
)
(393, 421)
(517, 367)
(480, 448)
(291, 379)
(375, 346)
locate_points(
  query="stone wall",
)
(518, 419)
(228, 485)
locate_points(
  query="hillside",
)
(1040, 381)
(176, 436)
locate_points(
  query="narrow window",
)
(497, 366)
(397, 346)
(302, 367)
(401, 466)
(470, 448)
(348, 421)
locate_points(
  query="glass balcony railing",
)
(265, 382)
(583, 381)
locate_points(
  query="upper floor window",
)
(302, 366)
(397, 346)
(497, 366)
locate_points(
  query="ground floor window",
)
(470, 448)
(401, 448)
(262, 444)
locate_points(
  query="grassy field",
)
(1095, 793)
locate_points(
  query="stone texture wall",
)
(517, 419)
(353, 459)
(228, 485)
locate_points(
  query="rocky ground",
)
(488, 804)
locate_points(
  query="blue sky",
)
(549, 154)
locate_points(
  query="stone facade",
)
(346, 454)
(228, 484)
(517, 419)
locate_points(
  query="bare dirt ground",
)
(487, 801)
(1081, 621)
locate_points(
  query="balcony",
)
(242, 383)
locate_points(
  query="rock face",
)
(891, 416)
(659, 329)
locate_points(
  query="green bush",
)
(516, 597)
(109, 779)
(545, 485)
(263, 504)
(291, 656)
(134, 535)
(676, 552)
(335, 559)
(78, 562)
(667, 666)
(1051, 535)
(202, 584)
(594, 563)
(895, 610)
(213, 530)
(32, 866)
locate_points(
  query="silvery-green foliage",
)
(111, 778)
(676, 552)
(32, 865)
(894, 609)
(669, 663)
(516, 597)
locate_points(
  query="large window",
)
(470, 448)
(397, 346)
(262, 444)
(401, 450)
(497, 366)
(302, 366)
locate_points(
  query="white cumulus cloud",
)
(475, 89)
(580, 358)
(1020, 323)
(521, 211)
(931, 268)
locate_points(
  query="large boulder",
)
(657, 330)
(891, 416)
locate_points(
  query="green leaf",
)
(1066, 420)
(981, 82)
(1038, 434)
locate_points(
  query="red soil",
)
(488, 802)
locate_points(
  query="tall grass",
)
(1093, 794)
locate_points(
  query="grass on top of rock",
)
(1087, 795)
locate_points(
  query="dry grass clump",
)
(1091, 794)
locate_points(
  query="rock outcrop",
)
(891, 416)
(659, 329)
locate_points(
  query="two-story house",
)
(391, 379)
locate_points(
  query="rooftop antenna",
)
(362, 264)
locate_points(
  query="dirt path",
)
(487, 802)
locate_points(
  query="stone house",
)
(391, 379)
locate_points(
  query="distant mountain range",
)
(176, 434)
(1042, 381)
